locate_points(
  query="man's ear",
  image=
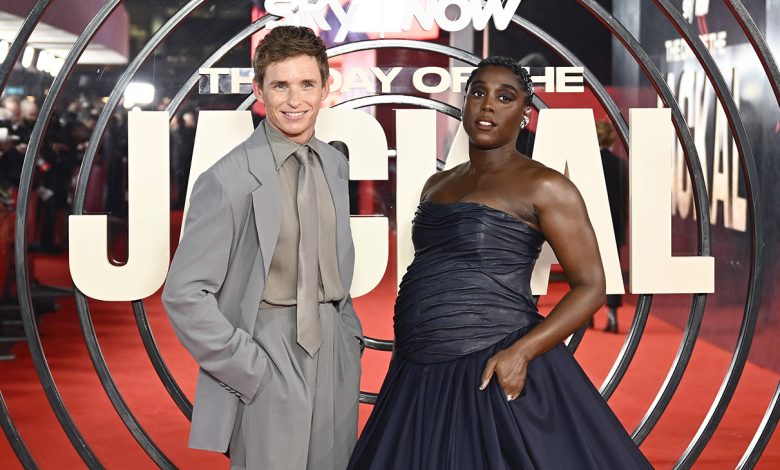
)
(257, 89)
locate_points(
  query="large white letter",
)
(460, 21)
(502, 15)
(425, 15)
(579, 152)
(363, 135)
(218, 133)
(738, 203)
(653, 268)
(416, 161)
(148, 221)
(367, 145)
(719, 189)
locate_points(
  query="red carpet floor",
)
(138, 383)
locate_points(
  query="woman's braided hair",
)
(522, 75)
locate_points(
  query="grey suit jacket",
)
(214, 285)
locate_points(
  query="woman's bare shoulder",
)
(542, 186)
(540, 177)
(438, 178)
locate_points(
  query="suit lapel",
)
(266, 199)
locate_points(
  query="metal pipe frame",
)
(93, 346)
(758, 42)
(20, 41)
(627, 351)
(15, 439)
(701, 203)
(763, 433)
(20, 242)
(626, 355)
(112, 391)
(185, 89)
(576, 338)
(755, 283)
(631, 343)
(150, 345)
(78, 208)
(373, 100)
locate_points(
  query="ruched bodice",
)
(469, 284)
(465, 297)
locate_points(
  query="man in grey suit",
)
(258, 290)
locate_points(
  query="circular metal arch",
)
(691, 331)
(78, 208)
(701, 200)
(20, 243)
(755, 283)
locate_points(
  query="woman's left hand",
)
(510, 367)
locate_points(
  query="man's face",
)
(292, 92)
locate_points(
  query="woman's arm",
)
(563, 219)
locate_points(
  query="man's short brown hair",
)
(286, 42)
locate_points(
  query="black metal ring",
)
(378, 344)
(112, 391)
(20, 242)
(697, 308)
(759, 44)
(93, 347)
(763, 433)
(630, 345)
(150, 346)
(32, 20)
(755, 283)
(15, 439)
(147, 338)
(626, 355)
(701, 203)
(185, 89)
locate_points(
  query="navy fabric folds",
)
(469, 284)
(465, 297)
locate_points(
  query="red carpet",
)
(133, 373)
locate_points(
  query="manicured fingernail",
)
(484, 384)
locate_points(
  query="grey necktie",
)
(308, 316)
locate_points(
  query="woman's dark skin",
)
(498, 176)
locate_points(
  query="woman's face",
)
(493, 109)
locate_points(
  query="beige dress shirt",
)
(282, 280)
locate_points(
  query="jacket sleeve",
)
(352, 322)
(194, 280)
(349, 316)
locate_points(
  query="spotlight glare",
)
(44, 61)
(27, 58)
(4, 47)
(139, 93)
(56, 66)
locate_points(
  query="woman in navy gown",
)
(479, 380)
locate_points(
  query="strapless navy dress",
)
(466, 296)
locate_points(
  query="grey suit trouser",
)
(305, 413)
